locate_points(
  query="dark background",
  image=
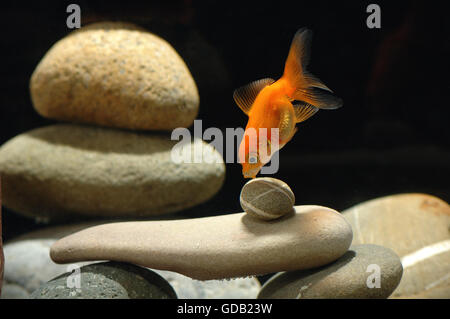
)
(391, 136)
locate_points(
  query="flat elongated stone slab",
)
(216, 247)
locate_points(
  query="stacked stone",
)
(315, 251)
(119, 76)
(345, 275)
(113, 82)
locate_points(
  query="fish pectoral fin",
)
(246, 95)
(303, 111)
(286, 125)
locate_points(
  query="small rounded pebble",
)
(267, 198)
(107, 280)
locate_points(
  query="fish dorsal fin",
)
(303, 111)
(308, 88)
(298, 57)
(246, 95)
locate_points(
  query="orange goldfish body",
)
(280, 104)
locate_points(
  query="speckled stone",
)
(416, 227)
(69, 171)
(267, 198)
(227, 246)
(108, 280)
(118, 75)
(345, 278)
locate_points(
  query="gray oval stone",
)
(70, 171)
(365, 271)
(107, 280)
(267, 198)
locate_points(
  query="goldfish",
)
(280, 105)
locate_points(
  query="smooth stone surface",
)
(64, 171)
(187, 288)
(227, 246)
(417, 228)
(118, 75)
(345, 278)
(108, 280)
(28, 264)
(441, 291)
(2, 258)
(267, 198)
(22, 277)
(12, 291)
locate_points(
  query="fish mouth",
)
(250, 173)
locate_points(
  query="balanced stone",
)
(64, 171)
(267, 198)
(118, 75)
(107, 280)
(365, 271)
(416, 227)
(226, 246)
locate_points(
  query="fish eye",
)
(253, 159)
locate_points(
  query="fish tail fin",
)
(306, 86)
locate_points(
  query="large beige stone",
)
(217, 247)
(64, 171)
(416, 227)
(117, 75)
